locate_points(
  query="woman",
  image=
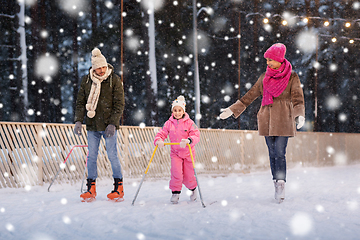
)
(282, 105)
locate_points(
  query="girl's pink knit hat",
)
(276, 52)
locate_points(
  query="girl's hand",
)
(184, 142)
(160, 143)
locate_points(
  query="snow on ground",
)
(321, 203)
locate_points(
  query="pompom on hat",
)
(180, 101)
(276, 52)
(97, 59)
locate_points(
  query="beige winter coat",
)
(278, 118)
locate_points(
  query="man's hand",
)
(77, 128)
(110, 130)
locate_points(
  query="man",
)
(101, 98)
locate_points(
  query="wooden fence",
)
(32, 153)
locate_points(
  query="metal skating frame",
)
(67, 157)
(192, 159)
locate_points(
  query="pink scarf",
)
(275, 82)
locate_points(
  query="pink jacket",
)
(178, 129)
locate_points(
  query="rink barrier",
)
(31, 153)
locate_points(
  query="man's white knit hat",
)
(180, 101)
(97, 59)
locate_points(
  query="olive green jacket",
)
(110, 106)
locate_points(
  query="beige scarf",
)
(95, 91)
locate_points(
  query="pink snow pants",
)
(182, 172)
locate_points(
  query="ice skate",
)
(117, 195)
(193, 195)
(90, 195)
(175, 198)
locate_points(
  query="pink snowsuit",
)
(182, 171)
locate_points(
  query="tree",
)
(11, 101)
(69, 35)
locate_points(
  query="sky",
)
(320, 203)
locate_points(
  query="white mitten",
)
(300, 120)
(184, 142)
(160, 143)
(226, 112)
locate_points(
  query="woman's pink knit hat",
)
(276, 52)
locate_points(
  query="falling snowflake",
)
(132, 43)
(72, 7)
(224, 203)
(198, 116)
(205, 99)
(356, 5)
(319, 208)
(227, 98)
(139, 115)
(352, 205)
(333, 103)
(333, 67)
(154, 4)
(109, 4)
(249, 136)
(161, 103)
(316, 65)
(63, 201)
(46, 65)
(342, 117)
(66, 220)
(307, 41)
(301, 224)
(10, 227)
(290, 18)
(140, 236)
(340, 158)
(330, 150)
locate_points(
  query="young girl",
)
(181, 129)
(282, 106)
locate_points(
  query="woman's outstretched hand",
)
(225, 113)
(300, 120)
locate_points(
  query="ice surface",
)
(320, 203)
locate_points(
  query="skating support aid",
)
(64, 163)
(192, 159)
(137, 192)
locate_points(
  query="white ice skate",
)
(175, 198)
(279, 190)
(193, 195)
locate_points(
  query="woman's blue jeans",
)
(94, 138)
(277, 150)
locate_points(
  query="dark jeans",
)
(277, 150)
